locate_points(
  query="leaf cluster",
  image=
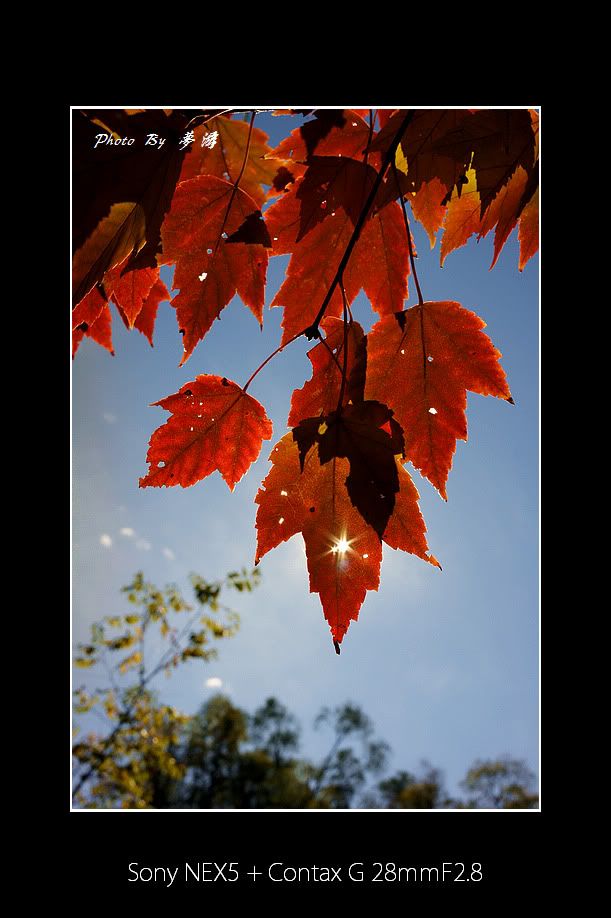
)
(216, 203)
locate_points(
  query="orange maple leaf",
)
(528, 232)
(379, 263)
(230, 155)
(205, 211)
(343, 552)
(130, 291)
(320, 394)
(421, 362)
(100, 330)
(215, 426)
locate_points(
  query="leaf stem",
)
(345, 367)
(331, 354)
(414, 272)
(409, 236)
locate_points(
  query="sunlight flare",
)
(341, 546)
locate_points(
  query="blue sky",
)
(445, 664)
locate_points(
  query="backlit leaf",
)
(214, 426)
(224, 156)
(100, 331)
(320, 394)
(423, 362)
(210, 270)
(121, 193)
(343, 552)
(528, 232)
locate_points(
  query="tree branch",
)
(312, 330)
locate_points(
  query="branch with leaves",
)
(141, 736)
(334, 195)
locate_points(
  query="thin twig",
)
(267, 359)
(210, 116)
(313, 330)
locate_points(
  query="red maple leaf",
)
(145, 320)
(343, 552)
(99, 331)
(236, 152)
(468, 170)
(341, 133)
(215, 426)
(320, 394)
(463, 217)
(88, 310)
(422, 362)
(205, 211)
(130, 291)
(528, 232)
(379, 262)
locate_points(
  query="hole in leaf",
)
(432, 411)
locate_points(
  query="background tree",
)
(405, 791)
(502, 784)
(133, 762)
(152, 756)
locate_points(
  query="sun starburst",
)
(341, 546)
